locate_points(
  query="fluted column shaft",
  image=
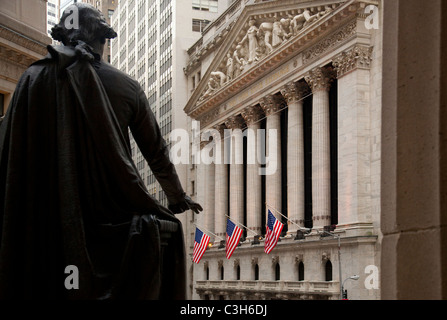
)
(319, 81)
(221, 188)
(293, 93)
(252, 117)
(271, 107)
(236, 169)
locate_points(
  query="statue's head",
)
(83, 22)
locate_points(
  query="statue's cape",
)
(64, 160)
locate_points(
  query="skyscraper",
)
(53, 14)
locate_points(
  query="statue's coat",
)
(70, 193)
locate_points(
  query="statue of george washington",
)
(70, 194)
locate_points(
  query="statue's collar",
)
(66, 55)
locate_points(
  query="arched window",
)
(207, 273)
(277, 272)
(328, 270)
(221, 273)
(256, 272)
(238, 272)
(301, 271)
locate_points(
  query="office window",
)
(205, 5)
(199, 25)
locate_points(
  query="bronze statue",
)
(70, 194)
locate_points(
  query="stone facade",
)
(23, 40)
(295, 67)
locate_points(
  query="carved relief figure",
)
(277, 34)
(221, 76)
(299, 21)
(265, 32)
(251, 38)
(318, 15)
(286, 24)
(212, 86)
(230, 67)
(237, 63)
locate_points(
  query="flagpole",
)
(208, 231)
(243, 226)
(301, 228)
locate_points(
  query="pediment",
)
(264, 34)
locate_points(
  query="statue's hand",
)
(185, 204)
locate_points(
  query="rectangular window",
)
(205, 5)
(198, 25)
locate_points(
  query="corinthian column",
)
(235, 123)
(221, 186)
(293, 93)
(252, 116)
(319, 81)
(271, 106)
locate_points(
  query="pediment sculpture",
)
(260, 39)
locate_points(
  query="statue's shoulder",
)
(116, 76)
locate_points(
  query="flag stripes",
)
(274, 228)
(200, 244)
(233, 236)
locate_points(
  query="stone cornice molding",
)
(357, 57)
(201, 101)
(319, 79)
(15, 57)
(40, 49)
(252, 114)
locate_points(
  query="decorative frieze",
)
(330, 42)
(356, 57)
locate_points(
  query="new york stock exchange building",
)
(305, 78)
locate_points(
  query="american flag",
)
(233, 236)
(274, 228)
(200, 244)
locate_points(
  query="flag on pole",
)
(274, 228)
(233, 236)
(200, 244)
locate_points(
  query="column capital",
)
(354, 58)
(320, 79)
(252, 114)
(270, 104)
(294, 91)
(219, 128)
(234, 122)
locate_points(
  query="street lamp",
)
(354, 277)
